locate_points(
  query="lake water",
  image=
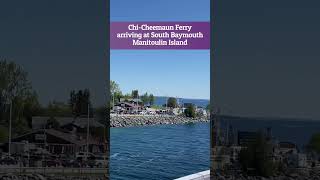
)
(293, 130)
(172, 151)
(159, 152)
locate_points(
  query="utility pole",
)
(88, 131)
(10, 127)
(44, 147)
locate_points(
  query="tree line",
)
(18, 96)
(116, 95)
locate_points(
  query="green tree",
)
(190, 111)
(151, 100)
(20, 127)
(31, 107)
(118, 96)
(257, 155)
(59, 109)
(13, 81)
(80, 103)
(13, 84)
(135, 94)
(145, 98)
(16, 89)
(314, 143)
(114, 87)
(208, 107)
(52, 123)
(172, 102)
(127, 96)
(115, 92)
(3, 134)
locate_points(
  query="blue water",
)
(159, 152)
(172, 151)
(161, 100)
(297, 131)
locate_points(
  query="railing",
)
(204, 175)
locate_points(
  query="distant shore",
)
(148, 120)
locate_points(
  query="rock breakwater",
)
(147, 120)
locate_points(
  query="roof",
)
(70, 138)
(39, 121)
(130, 100)
(128, 104)
(62, 135)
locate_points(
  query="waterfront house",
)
(201, 111)
(177, 111)
(134, 101)
(55, 142)
(67, 136)
(129, 108)
(287, 147)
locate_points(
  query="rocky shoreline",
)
(147, 120)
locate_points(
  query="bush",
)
(190, 111)
(3, 134)
(314, 143)
(172, 102)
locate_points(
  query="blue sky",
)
(61, 44)
(164, 10)
(163, 72)
(182, 73)
(267, 58)
(266, 52)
